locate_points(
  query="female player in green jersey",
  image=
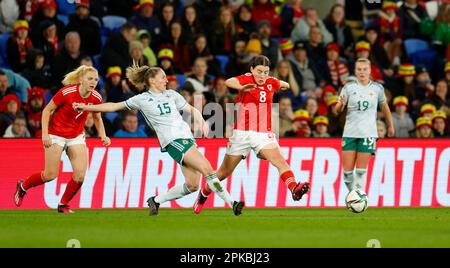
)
(160, 109)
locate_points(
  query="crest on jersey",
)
(269, 87)
(185, 142)
(371, 93)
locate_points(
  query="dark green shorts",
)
(177, 148)
(362, 145)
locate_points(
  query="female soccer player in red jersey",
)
(63, 129)
(253, 131)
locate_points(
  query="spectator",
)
(239, 59)
(388, 25)
(115, 87)
(172, 82)
(254, 46)
(270, 47)
(201, 49)
(136, 50)
(403, 124)
(90, 131)
(16, 84)
(291, 13)
(424, 87)
(439, 121)
(33, 109)
(4, 85)
(87, 28)
(447, 72)
(9, 108)
(305, 70)
(286, 115)
(427, 111)
(130, 127)
(266, 10)
(284, 72)
(411, 14)
(223, 36)
(244, 22)
(115, 52)
(180, 48)
(166, 17)
(314, 46)
(440, 97)
(123, 8)
(327, 93)
(191, 24)
(304, 26)
(381, 129)
(378, 53)
(7, 19)
(337, 121)
(312, 107)
(144, 37)
(406, 84)
(320, 125)
(165, 58)
(36, 72)
(19, 44)
(48, 40)
(300, 127)
(18, 129)
(144, 19)
(199, 79)
(334, 71)
(286, 47)
(342, 34)
(424, 128)
(442, 33)
(46, 11)
(68, 60)
(208, 12)
(219, 88)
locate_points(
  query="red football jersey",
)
(65, 121)
(256, 105)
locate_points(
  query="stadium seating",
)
(65, 7)
(223, 60)
(419, 52)
(113, 23)
(3, 45)
(181, 78)
(94, 18)
(111, 116)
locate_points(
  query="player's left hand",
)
(391, 132)
(205, 129)
(106, 140)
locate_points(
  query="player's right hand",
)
(46, 141)
(79, 106)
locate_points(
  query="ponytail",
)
(139, 76)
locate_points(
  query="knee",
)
(192, 187)
(206, 169)
(49, 175)
(78, 177)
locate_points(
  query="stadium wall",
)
(405, 172)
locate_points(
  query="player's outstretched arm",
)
(104, 107)
(388, 116)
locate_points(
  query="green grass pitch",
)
(219, 228)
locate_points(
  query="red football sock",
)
(206, 191)
(33, 181)
(289, 179)
(71, 190)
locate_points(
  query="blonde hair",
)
(74, 76)
(139, 76)
(363, 60)
(135, 45)
(291, 80)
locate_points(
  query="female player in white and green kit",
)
(160, 108)
(362, 98)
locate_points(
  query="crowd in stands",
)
(201, 44)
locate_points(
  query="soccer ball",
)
(356, 201)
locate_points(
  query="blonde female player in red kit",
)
(63, 129)
(253, 131)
